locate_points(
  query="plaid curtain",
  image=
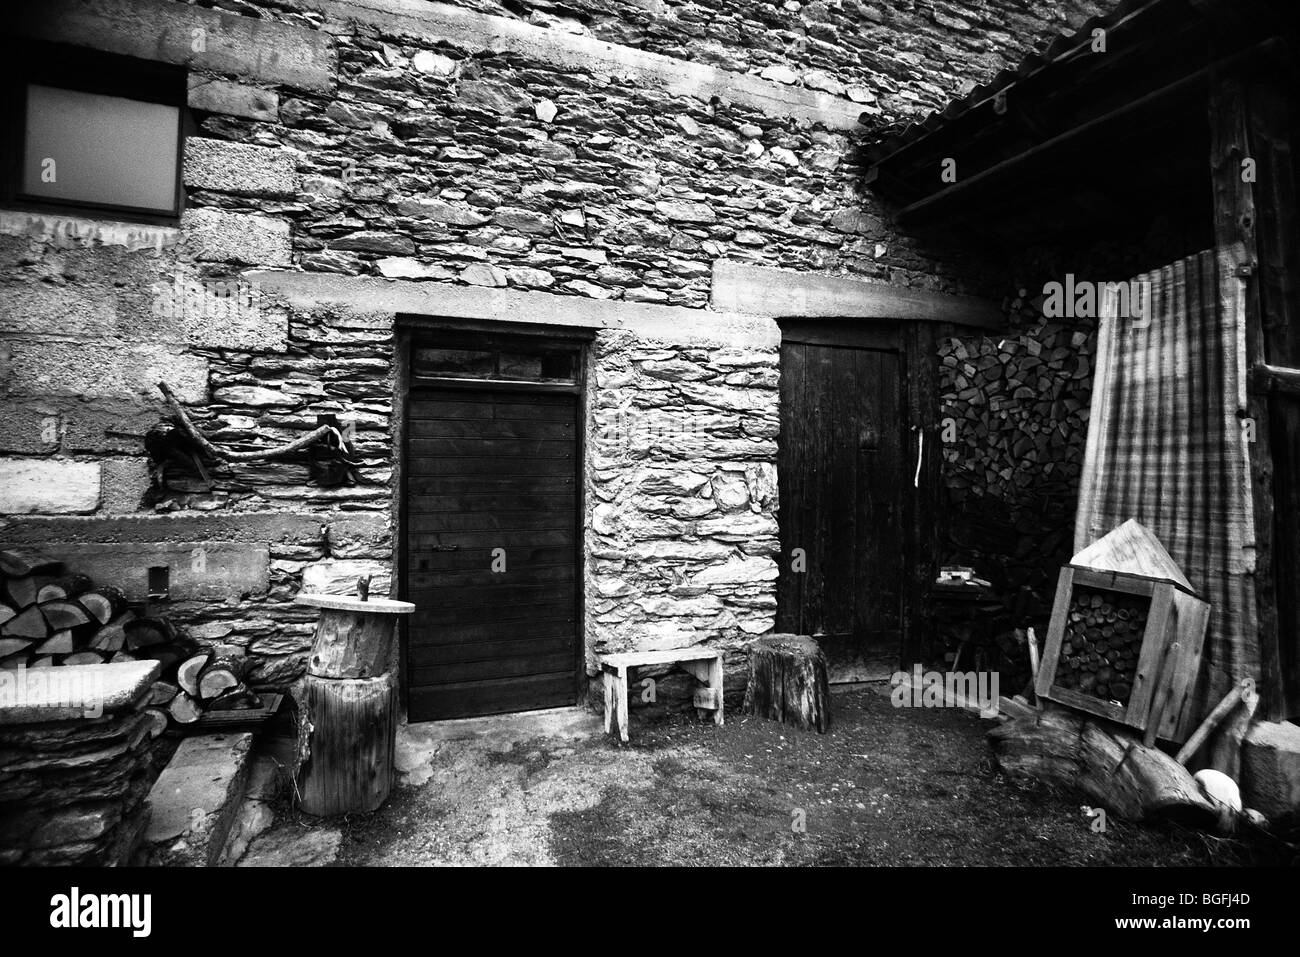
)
(1166, 446)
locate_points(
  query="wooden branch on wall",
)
(261, 455)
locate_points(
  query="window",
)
(488, 360)
(92, 133)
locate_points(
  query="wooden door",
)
(843, 470)
(491, 516)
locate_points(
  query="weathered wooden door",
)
(843, 469)
(491, 516)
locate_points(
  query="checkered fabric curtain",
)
(1166, 446)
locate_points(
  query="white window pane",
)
(105, 149)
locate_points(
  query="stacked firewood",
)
(48, 619)
(1020, 407)
(1102, 643)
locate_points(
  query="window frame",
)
(85, 71)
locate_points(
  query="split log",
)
(239, 698)
(83, 658)
(187, 674)
(219, 675)
(12, 646)
(169, 657)
(143, 632)
(122, 656)
(6, 613)
(14, 662)
(65, 613)
(18, 563)
(104, 604)
(161, 693)
(46, 662)
(69, 586)
(30, 623)
(788, 682)
(1107, 763)
(59, 643)
(20, 593)
(112, 637)
(158, 721)
(347, 744)
(184, 709)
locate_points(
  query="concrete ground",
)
(884, 786)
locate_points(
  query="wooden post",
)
(1255, 216)
(349, 706)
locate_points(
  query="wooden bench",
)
(703, 663)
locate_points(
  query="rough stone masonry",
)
(580, 163)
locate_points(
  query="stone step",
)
(197, 798)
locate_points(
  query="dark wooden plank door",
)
(491, 514)
(843, 471)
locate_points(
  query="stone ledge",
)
(163, 31)
(770, 291)
(481, 32)
(73, 692)
(368, 294)
(196, 799)
(247, 527)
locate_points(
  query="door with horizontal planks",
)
(491, 515)
(843, 471)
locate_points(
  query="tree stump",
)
(348, 725)
(348, 762)
(788, 682)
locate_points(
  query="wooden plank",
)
(1132, 548)
(1267, 378)
(485, 576)
(462, 632)
(502, 615)
(1236, 217)
(503, 594)
(432, 467)
(499, 696)
(537, 643)
(632, 659)
(557, 504)
(430, 428)
(1275, 344)
(526, 448)
(486, 669)
(770, 291)
(791, 487)
(480, 557)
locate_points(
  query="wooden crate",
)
(1173, 615)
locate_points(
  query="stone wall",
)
(368, 141)
(77, 760)
(896, 60)
(682, 494)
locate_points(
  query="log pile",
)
(1103, 640)
(49, 619)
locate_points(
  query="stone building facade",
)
(575, 165)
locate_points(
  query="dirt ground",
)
(885, 786)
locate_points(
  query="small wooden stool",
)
(703, 663)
